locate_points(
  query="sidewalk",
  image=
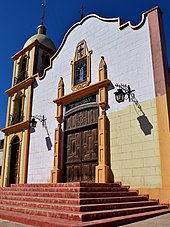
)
(160, 221)
(5, 223)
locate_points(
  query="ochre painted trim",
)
(87, 56)
(20, 86)
(102, 169)
(155, 193)
(56, 172)
(102, 174)
(24, 166)
(36, 42)
(16, 128)
(6, 163)
(8, 110)
(83, 92)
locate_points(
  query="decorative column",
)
(56, 173)
(102, 169)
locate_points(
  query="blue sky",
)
(20, 18)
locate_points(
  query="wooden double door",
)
(81, 145)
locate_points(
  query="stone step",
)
(114, 199)
(95, 215)
(78, 201)
(40, 221)
(81, 216)
(115, 206)
(76, 204)
(70, 194)
(41, 199)
(65, 189)
(82, 208)
(73, 184)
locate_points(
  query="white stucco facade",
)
(127, 53)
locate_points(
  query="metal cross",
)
(81, 12)
(81, 50)
(43, 10)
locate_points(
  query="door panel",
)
(81, 143)
(73, 172)
(74, 148)
(89, 145)
(88, 171)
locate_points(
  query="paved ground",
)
(160, 221)
(4, 223)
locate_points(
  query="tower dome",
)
(42, 38)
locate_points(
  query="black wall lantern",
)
(119, 95)
(122, 91)
(33, 122)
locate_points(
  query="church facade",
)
(85, 131)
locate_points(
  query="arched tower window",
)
(14, 161)
(17, 115)
(22, 71)
(45, 62)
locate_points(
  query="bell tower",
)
(29, 65)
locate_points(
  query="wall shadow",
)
(145, 125)
(48, 143)
(48, 139)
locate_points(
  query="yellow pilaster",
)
(56, 173)
(103, 168)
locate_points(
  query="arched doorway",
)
(81, 144)
(14, 162)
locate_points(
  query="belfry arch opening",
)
(17, 115)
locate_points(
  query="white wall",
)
(128, 57)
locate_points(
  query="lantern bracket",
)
(41, 118)
(122, 91)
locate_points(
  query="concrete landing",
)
(160, 221)
(5, 223)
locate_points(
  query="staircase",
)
(76, 204)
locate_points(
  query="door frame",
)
(103, 167)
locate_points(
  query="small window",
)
(80, 72)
